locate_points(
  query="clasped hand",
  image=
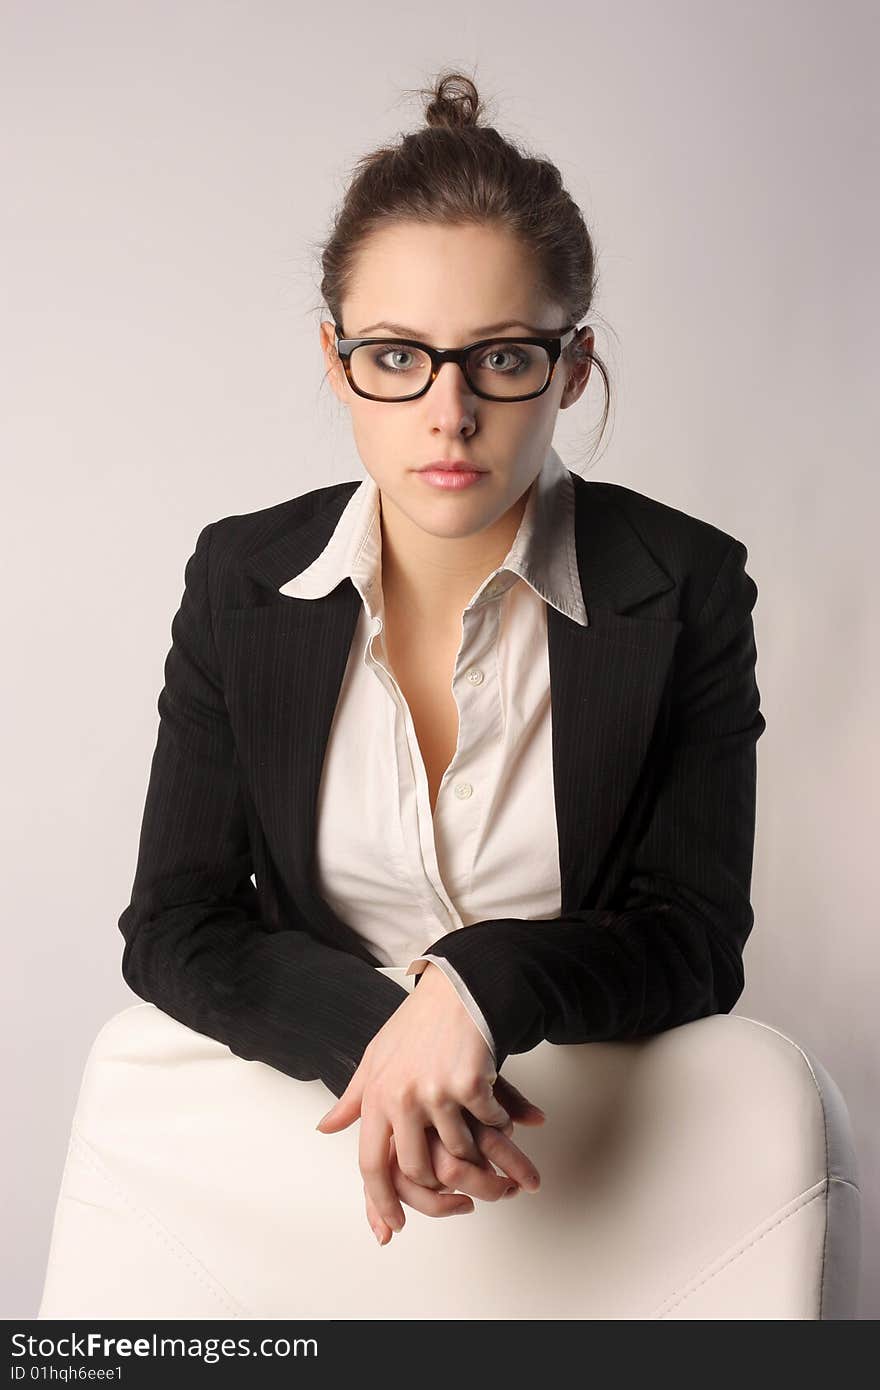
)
(424, 1068)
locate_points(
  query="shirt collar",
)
(543, 551)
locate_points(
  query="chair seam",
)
(820, 1093)
(173, 1243)
(799, 1204)
(845, 1182)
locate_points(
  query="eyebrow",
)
(476, 332)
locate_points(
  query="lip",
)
(451, 466)
(452, 479)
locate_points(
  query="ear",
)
(334, 368)
(577, 362)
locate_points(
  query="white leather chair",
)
(707, 1172)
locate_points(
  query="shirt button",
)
(475, 676)
(463, 790)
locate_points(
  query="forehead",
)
(435, 278)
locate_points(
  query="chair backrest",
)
(705, 1172)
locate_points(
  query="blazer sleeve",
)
(195, 944)
(668, 947)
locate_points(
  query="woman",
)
(474, 717)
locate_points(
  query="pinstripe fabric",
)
(655, 719)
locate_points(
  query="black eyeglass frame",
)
(554, 345)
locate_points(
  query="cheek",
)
(384, 440)
(369, 429)
(526, 420)
(380, 445)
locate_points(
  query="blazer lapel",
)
(606, 686)
(285, 660)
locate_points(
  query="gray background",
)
(169, 171)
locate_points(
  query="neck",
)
(433, 578)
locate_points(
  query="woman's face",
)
(448, 287)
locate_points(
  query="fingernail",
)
(377, 1234)
(460, 1211)
(533, 1183)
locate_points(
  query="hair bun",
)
(454, 103)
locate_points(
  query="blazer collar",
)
(542, 553)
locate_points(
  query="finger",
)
(495, 1145)
(380, 1230)
(484, 1107)
(346, 1109)
(429, 1201)
(413, 1153)
(525, 1115)
(454, 1126)
(373, 1158)
(519, 1106)
(475, 1179)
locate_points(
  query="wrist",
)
(430, 971)
(435, 981)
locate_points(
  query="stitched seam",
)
(827, 1193)
(829, 1179)
(785, 1038)
(770, 1029)
(801, 1204)
(172, 1243)
(731, 551)
(845, 1182)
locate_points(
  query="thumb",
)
(344, 1112)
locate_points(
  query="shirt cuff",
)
(463, 993)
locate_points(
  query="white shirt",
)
(399, 875)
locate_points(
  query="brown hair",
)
(454, 170)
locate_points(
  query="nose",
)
(450, 386)
(450, 401)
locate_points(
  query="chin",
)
(464, 523)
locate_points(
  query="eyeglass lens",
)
(396, 370)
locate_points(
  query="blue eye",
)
(395, 350)
(508, 350)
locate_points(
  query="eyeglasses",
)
(401, 369)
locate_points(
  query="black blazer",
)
(655, 718)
